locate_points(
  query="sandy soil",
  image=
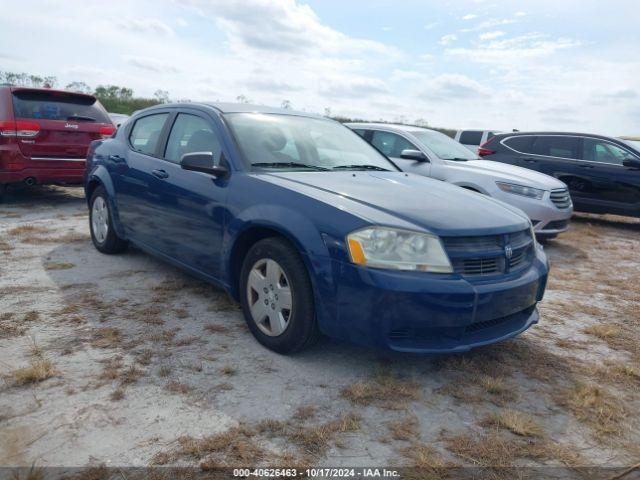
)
(123, 360)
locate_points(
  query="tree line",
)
(117, 99)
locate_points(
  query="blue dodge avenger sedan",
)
(313, 230)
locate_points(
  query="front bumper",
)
(430, 313)
(546, 217)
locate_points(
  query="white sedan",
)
(426, 152)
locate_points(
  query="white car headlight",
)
(521, 190)
(383, 247)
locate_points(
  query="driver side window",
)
(391, 144)
(604, 152)
(191, 134)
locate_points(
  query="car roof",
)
(560, 134)
(223, 107)
(389, 126)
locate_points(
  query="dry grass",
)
(305, 413)
(177, 387)
(494, 450)
(38, 370)
(212, 328)
(603, 332)
(227, 370)
(516, 422)
(383, 390)
(5, 246)
(26, 231)
(185, 341)
(315, 440)
(165, 371)
(31, 316)
(234, 448)
(405, 429)
(107, 338)
(58, 266)
(594, 406)
(425, 463)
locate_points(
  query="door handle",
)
(586, 166)
(160, 174)
(530, 160)
(116, 159)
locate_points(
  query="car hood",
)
(405, 201)
(512, 174)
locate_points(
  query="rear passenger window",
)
(146, 132)
(191, 134)
(519, 144)
(563, 147)
(471, 137)
(391, 144)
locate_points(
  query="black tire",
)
(111, 243)
(301, 331)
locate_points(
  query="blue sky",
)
(563, 64)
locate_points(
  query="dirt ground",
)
(125, 361)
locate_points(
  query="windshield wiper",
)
(361, 167)
(458, 159)
(288, 164)
(81, 118)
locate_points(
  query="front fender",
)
(100, 174)
(302, 233)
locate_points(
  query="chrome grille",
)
(487, 255)
(561, 198)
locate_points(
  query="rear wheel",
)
(103, 235)
(277, 298)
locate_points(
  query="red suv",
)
(45, 134)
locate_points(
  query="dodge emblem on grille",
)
(508, 251)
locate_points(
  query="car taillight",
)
(19, 129)
(7, 128)
(484, 150)
(106, 132)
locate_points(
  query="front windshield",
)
(290, 142)
(443, 146)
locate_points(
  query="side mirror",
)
(416, 155)
(631, 162)
(202, 162)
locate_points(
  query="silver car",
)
(426, 152)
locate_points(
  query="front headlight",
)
(521, 190)
(383, 247)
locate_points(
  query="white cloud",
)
(150, 64)
(448, 39)
(449, 87)
(469, 16)
(354, 88)
(282, 26)
(520, 14)
(515, 49)
(491, 35)
(431, 25)
(145, 26)
(489, 24)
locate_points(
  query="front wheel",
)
(103, 235)
(277, 297)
